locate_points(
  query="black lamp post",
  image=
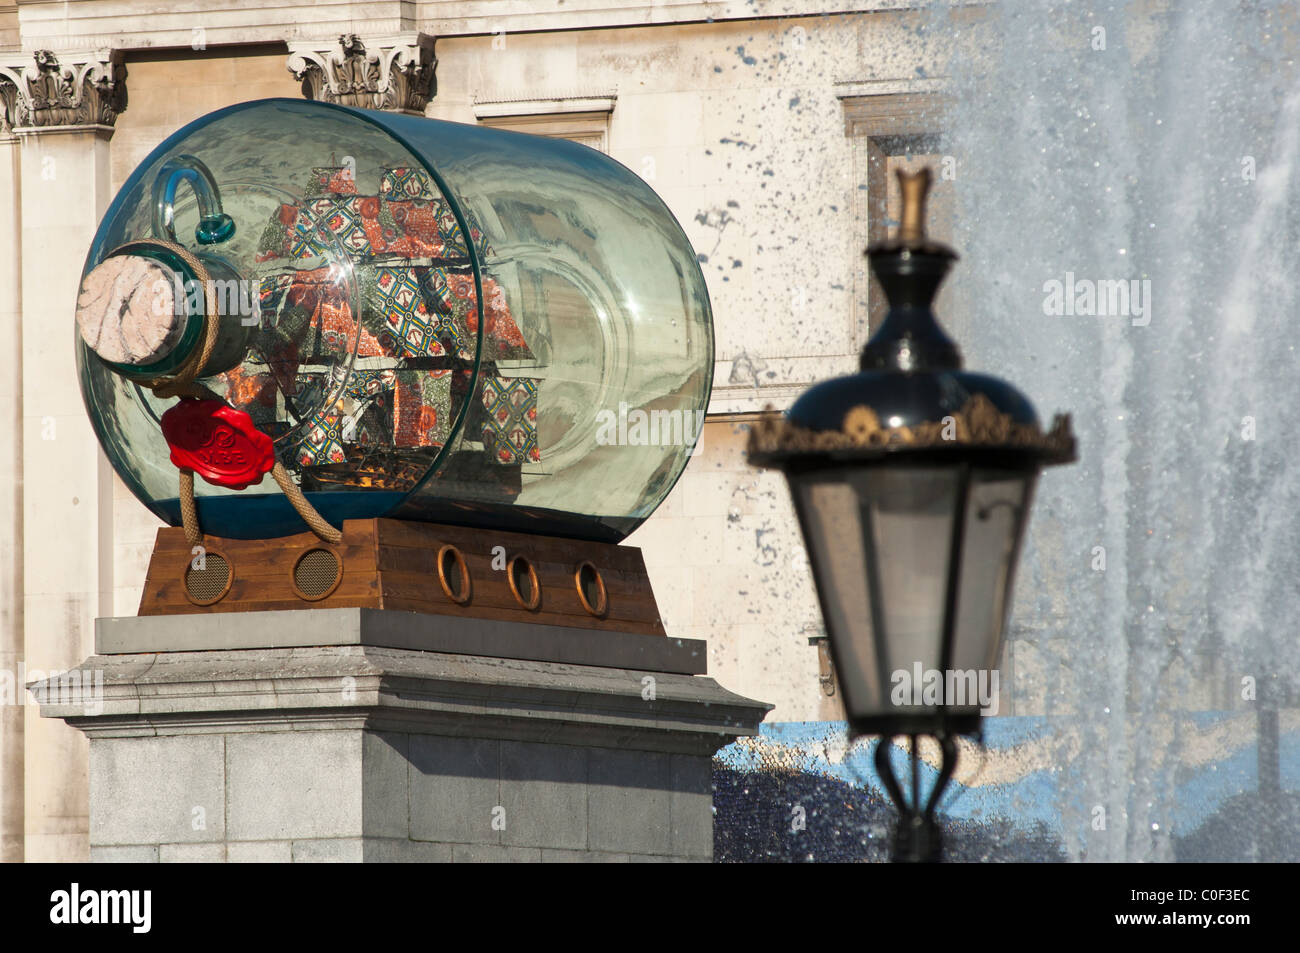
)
(912, 481)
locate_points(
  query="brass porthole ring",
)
(207, 578)
(449, 559)
(316, 573)
(523, 583)
(591, 588)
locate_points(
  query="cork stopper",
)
(127, 310)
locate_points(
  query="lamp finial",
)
(916, 188)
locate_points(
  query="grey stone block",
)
(259, 852)
(334, 850)
(285, 766)
(385, 792)
(157, 790)
(550, 856)
(630, 801)
(294, 785)
(124, 855)
(388, 628)
(454, 786)
(692, 806)
(544, 793)
(192, 853)
(491, 854)
(384, 850)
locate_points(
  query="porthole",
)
(317, 573)
(591, 589)
(207, 578)
(453, 575)
(523, 583)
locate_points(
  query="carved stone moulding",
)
(977, 424)
(396, 73)
(43, 89)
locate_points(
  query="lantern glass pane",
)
(997, 506)
(881, 540)
(832, 529)
(911, 520)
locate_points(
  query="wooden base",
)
(419, 567)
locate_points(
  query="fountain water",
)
(1149, 153)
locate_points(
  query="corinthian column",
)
(395, 73)
(42, 90)
(57, 113)
(11, 489)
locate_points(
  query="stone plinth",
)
(394, 744)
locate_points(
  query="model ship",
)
(382, 422)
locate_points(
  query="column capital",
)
(43, 90)
(394, 72)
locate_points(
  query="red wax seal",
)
(218, 442)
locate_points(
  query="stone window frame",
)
(882, 120)
(579, 118)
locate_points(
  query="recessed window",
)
(582, 118)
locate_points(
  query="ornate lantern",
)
(912, 481)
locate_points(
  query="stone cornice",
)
(545, 105)
(172, 24)
(373, 72)
(476, 17)
(383, 689)
(44, 90)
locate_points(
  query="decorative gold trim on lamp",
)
(977, 424)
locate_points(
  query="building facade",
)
(770, 129)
